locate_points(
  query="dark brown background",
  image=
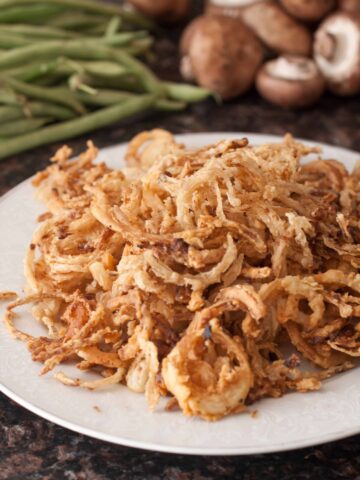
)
(33, 448)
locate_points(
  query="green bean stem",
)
(78, 126)
(112, 27)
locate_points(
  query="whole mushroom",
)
(270, 23)
(337, 52)
(167, 11)
(221, 54)
(308, 10)
(290, 82)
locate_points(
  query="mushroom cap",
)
(224, 54)
(308, 10)
(275, 28)
(278, 30)
(188, 34)
(350, 5)
(167, 11)
(290, 82)
(337, 52)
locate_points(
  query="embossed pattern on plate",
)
(294, 421)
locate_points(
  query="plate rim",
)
(160, 447)
(173, 449)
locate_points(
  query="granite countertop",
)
(33, 448)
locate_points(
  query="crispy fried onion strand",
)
(190, 272)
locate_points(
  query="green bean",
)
(119, 39)
(10, 40)
(77, 21)
(63, 67)
(38, 32)
(30, 72)
(8, 97)
(28, 14)
(34, 109)
(101, 8)
(79, 48)
(23, 55)
(43, 109)
(166, 105)
(51, 79)
(22, 126)
(186, 93)
(96, 30)
(10, 112)
(72, 48)
(78, 126)
(139, 47)
(103, 98)
(145, 75)
(112, 27)
(101, 68)
(48, 94)
(125, 82)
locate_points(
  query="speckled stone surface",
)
(33, 448)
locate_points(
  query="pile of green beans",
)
(68, 67)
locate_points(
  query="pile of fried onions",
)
(189, 273)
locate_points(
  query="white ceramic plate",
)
(294, 421)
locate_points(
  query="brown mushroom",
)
(352, 6)
(290, 82)
(308, 10)
(337, 52)
(166, 11)
(275, 28)
(221, 54)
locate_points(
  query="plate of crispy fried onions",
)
(195, 294)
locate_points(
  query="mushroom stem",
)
(327, 47)
(290, 82)
(186, 69)
(292, 68)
